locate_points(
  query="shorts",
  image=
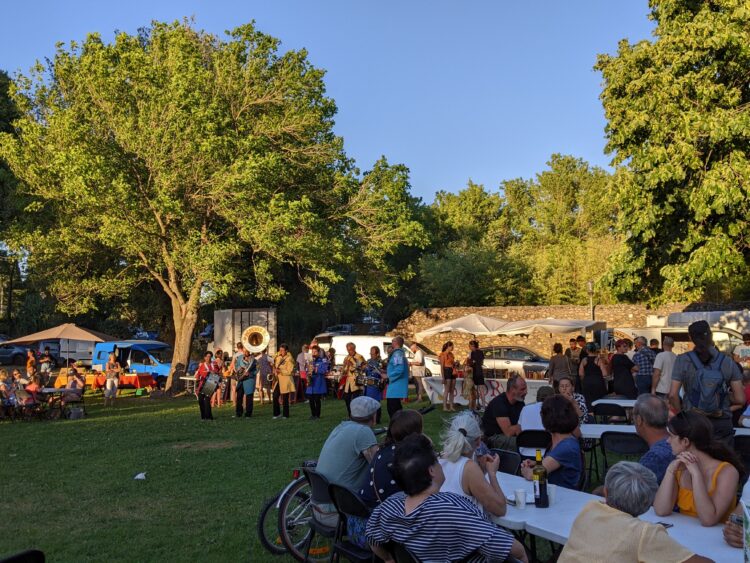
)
(110, 389)
(479, 377)
(448, 373)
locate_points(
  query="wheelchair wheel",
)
(268, 528)
(295, 513)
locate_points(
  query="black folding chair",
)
(319, 495)
(30, 556)
(622, 444)
(603, 413)
(742, 447)
(533, 439)
(509, 461)
(348, 504)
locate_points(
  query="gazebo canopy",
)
(554, 326)
(67, 331)
(469, 324)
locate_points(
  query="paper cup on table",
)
(520, 495)
(551, 493)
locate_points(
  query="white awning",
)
(554, 326)
(469, 324)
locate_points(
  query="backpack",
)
(709, 391)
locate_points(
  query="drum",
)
(211, 384)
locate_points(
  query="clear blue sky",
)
(453, 89)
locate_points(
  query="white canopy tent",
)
(468, 324)
(554, 326)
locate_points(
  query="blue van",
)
(135, 356)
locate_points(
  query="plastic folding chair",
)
(319, 495)
(509, 461)
(533, 439)
(348, 504)
(603, 413)
(623, 444)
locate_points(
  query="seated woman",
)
(563, 460)
(476, 480)
(702, 480)
(74, 388)
(7, 396)
(432, 525)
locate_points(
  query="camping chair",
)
(348, 504)
(319, 495)
(622, 444)
(509, 461)
(603, 412)
(533, 440)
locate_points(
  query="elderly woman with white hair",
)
(611, 531)
(476, 480)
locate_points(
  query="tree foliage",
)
(178, 157)
(678, 111)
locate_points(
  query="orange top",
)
(447, 359)
(30, 363)
(686, 502)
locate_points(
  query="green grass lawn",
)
(68, 486)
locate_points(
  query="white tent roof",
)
(555, 326)
(469, 324)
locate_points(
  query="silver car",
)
(500, 361)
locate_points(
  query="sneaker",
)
(277, 417)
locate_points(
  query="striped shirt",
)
(445, 527)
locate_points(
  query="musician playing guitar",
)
(204, 370)
(246, 371)
(352, 362)
(283, 383)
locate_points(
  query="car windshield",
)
(162, 355)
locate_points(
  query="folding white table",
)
(625, 403)
(595, 431)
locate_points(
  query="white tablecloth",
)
(596, 430)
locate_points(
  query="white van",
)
(363, 344)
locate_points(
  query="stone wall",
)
(541, 343)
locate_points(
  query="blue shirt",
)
(568, 454)
(398, 374)
(657, 458)
(317, 379)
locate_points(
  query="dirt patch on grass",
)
(224, 445)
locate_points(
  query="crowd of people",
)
(440, 505)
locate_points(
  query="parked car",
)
(378, 328)
(499, 361)
(141, 334)
(13, 354)
(335, 330)
(4, 337)
(135, 356)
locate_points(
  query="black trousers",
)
(284, 398)
(204, 403)
(348, 397)
(315, 403)
(393, 406)
(248, 399)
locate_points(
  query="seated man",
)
(650, 415)
(613, 533)
(500, 419)
(434, 526)
(347, 452)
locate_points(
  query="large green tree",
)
(678, 112)
(188, 160)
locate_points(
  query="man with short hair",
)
(661, 380)
(644, 358)
(612, 531)
(696, 373)
(500, 419)
(397, 371)
(417, 368)
(650, 416)
(654, 345)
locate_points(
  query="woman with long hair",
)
(447, 362)
(475, 480)
(591, 371)
(559, 366)
(702, 480)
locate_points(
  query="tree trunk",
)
(185, 317)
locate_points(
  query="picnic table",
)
(554, 523)
(595, 431)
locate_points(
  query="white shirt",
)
(665, 362)
(743, 353)
(417, 369)
(530, 419)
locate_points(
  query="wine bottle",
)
(541, 500)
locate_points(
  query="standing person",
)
(623, 371)
(417, 368)
(217, 400)
(374, 371)
(710, 381)
(447, 361)
(630, 352)
(236, 359)
(265, 369)
(45, 367)
(246, 375)
(30, 363)
(204, 370)
(351, 365)
(661, 381)
(654, 345)
(476, 359)
(573, 353)
(112, 372)
(591, 375)
(741, 352)
(560, 365)
(500, 419)
(304, 358)
(644, 358)
(317, 387)
(398, 376)
(283, 384)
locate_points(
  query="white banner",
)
(434, 388)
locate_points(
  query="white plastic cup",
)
(551, 493)
(520, 495)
